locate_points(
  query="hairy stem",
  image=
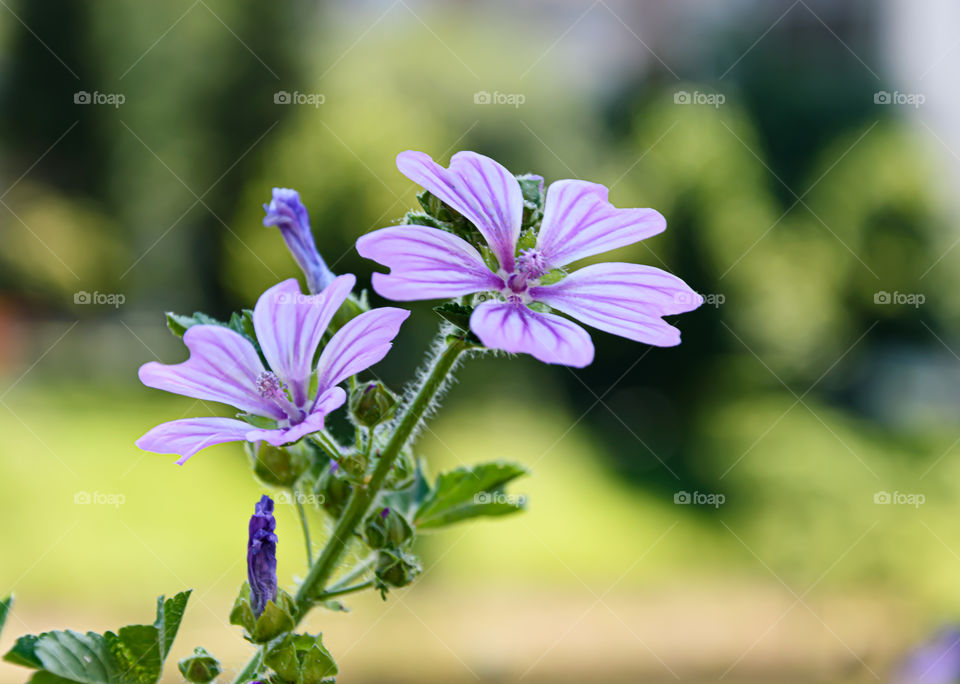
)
(305, 525)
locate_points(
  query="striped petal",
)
(188, 436)
(623, 299)
(223, 366)
(479, 188)
(290, 325)
(359, 344)
(425, 263)
(517, 329)
(578, 222)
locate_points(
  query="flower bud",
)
(386, 527)
(262, 556)
(201, 667)
(372, 404)
(287, 212)
(333, 489)
(396, 568)
(279, 466)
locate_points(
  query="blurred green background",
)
(809, 194)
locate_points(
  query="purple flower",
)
(262, 556)
(578, 222)
(225, 367)
(936, 662)
(287, 213)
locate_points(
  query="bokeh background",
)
(805, 155)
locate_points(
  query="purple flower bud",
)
(262, 556)
(287, 213)
(384, 513)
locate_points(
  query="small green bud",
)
(200, 668)
(372, 404)
(396, 568)
(531, 186)
(333, 489)
(279, 466)
(386, 527)
(301, 658)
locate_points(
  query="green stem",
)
(306, 527)
(363, 496)
(346, 590)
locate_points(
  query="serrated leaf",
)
(470, 492)
(24, 652)
(75, 656)
(5, 606)
(169, 616)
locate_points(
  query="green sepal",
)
(489, 258)
(333, 490)
(301, 659)
(372, 403)
(276, 618)
(134, 655)
(458, 314)
(201, 667)
(279, 466)
(396, 568)
(180, 323)
(470, 492)
(531, 187)
(392, 529)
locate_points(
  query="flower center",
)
(269, 387)
(530, 266)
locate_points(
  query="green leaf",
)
(5, 606)
(180, 323)
(276, 618)
(169, 616)
(134, 655)
(458, 314)
(471, 492)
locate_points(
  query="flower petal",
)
(425, 263)
(289, 326)
(223, 366)
(328, 402)
(623, 299)
(189, 435)
(479, 188)
(517, 329)
(362, 342)
(578, 222)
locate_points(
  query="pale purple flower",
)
(224, 366)
(621, 298)
(262, 556)
(286, 212)
(936, 662)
